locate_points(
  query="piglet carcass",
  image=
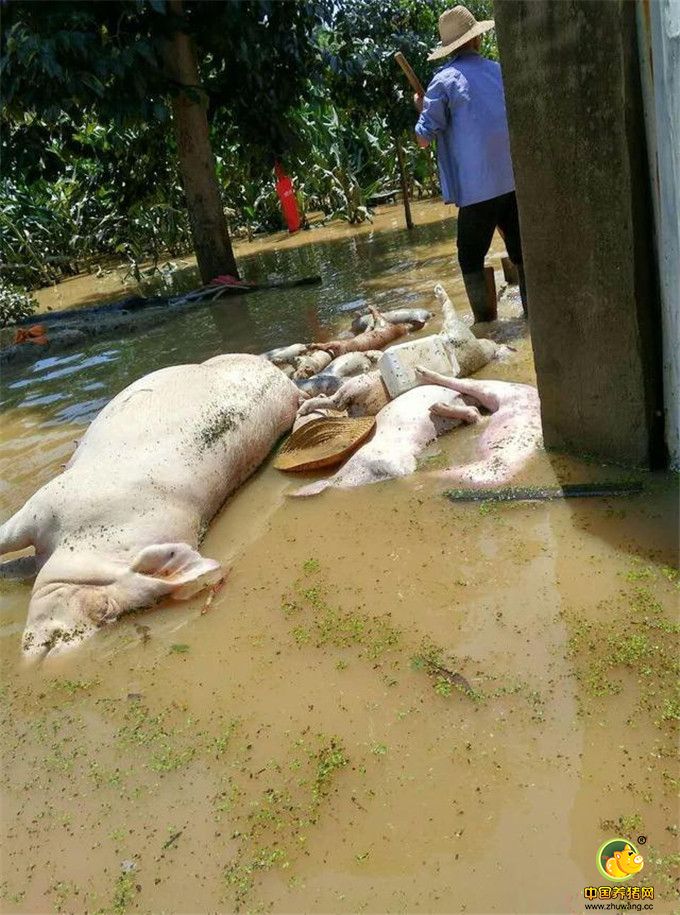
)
(380, 335)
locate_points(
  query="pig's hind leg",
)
(350, 391)
(480, 391)
(312, 404)
(459, 411)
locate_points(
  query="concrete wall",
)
(659, 46)
(572, 84)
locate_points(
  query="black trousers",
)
(476, 225)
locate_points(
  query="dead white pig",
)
(509, 436)
(416, 317)
(403, 429)
(310, 364)
(382, 334)
(471, 353)
(286, 354)
(353, 364)
(363, 395)
(319, 384)
(119, 529)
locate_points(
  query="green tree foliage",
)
(106, 60)
(359, 51)
(71, 57)
(89, 159)
(260, 59)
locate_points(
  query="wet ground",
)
(302, 745)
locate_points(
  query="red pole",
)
(286, 194)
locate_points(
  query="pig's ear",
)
(184, 570)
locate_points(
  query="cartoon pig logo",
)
(619, 859)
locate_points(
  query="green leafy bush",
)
(15, 304)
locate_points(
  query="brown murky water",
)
(298, 747)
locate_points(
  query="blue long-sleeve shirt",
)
(464, 110)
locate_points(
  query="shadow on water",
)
(645, 526)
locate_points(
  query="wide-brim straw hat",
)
(457, 26)
(323, 442)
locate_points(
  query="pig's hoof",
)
(440, 409)
(456, 411)
(425, 376)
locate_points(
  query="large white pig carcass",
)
(120, 527)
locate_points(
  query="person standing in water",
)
(464, 110)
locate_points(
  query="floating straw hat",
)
(323, 442)
(456, 27)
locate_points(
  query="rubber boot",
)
(475, 286)
(523, 289)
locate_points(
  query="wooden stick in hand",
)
(410, 74)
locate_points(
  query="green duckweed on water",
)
(375, 639)
(275, 827)
(634, 641)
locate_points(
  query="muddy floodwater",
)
(302, 744)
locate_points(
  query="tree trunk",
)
(404, 183)
(197, 162)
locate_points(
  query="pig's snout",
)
(51, 639)
(61, 616)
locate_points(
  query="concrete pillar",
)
(577, 131)
(659, 46)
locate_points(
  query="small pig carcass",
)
(415, 317)
(403, 429)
